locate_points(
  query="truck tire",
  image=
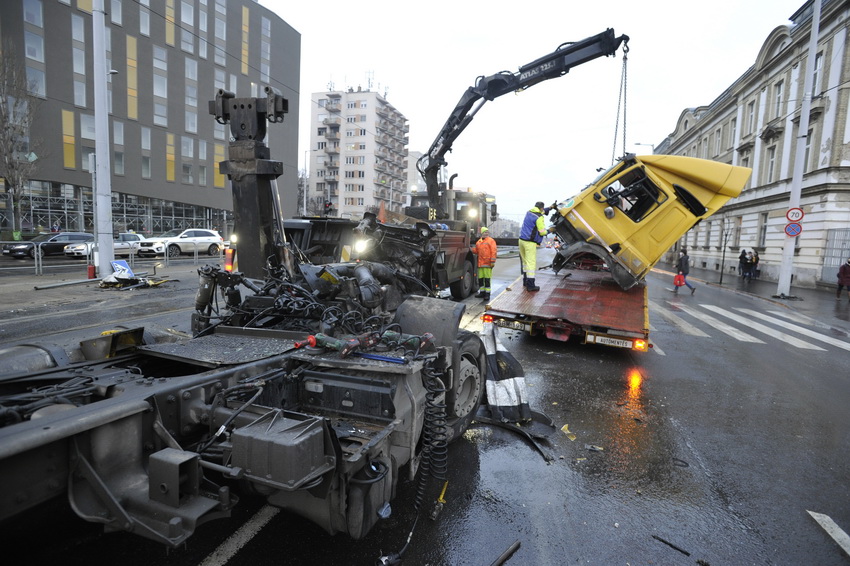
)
(462, 288)
(173, 250)
(468, 383)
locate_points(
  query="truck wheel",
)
(468, 383)
(173, 250)
(462, 288)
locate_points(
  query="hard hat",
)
(484, 229)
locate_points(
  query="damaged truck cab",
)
(634, 212)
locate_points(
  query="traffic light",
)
(328, 208)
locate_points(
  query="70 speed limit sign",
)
(794, 214)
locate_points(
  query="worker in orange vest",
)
(485, 249)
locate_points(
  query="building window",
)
(115, 12)
(733, 134)
(816, 74)
(160, 86)
(34, 46)
(146, 138)
(736, 231)
(762, 237)
(118, 163)
(79, 61)
(751, 117)
(718, 142)
(160, 58)
(187, 41)
(144, 21)
(80, 93)
(191, 121)
(33, 13)
(187, 147)
(771, 164)
(36, 82)
(202, 175)
(87, 127)
(777, 99)
(160, 114)
(146, 167)
(188, 176)
(191, 69)
(807, 164)
(117, 133)
(78, 28)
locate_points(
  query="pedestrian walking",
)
(530, 236)
(742, 261)
(485, 248)
(843, 279)
(683, 266)
(756, 270)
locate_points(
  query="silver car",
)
(176, 242)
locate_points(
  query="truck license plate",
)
(608, 341)
(513, 324)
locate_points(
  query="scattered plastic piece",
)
(566, 430)
(594, 448)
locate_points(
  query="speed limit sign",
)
(794, 214)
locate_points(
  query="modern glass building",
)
(165, 60)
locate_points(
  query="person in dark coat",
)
(742, 260)
(683, 266)
(843, 279)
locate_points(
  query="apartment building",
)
(358, 158)
(167, 58)
(755, 123)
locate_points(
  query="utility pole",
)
(793, 228)
(102, 173)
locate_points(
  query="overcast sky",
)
(547, 142)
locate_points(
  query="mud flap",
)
(507, 397)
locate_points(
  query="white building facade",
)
(358, 154)
(755, 123)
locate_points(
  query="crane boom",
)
(555, 64)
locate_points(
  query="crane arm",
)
(555, 64)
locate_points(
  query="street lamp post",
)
(651, 145)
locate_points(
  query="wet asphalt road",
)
(707, 450)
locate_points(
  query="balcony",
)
(333, 121)
(332, 150)
(332, 164)
(333, 107)
(332, 135)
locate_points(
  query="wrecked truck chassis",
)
(156, 440)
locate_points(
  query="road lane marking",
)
(656, 349)
(676, 321)
(718, 324)
(749, 323)
(832, 530)
(801, 318)
(234, 543)
(798, 329)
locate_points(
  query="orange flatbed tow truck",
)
(576, 303)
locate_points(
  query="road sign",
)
(793, 229)
(794, 214)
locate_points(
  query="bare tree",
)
(17, 113)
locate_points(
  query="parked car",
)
(176, 242)
(52, 243)
(126, 244)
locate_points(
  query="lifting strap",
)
(621, 103)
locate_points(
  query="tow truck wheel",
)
(173, 250)
(468, 382)
(462, 288)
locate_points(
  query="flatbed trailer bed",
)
(576, 303)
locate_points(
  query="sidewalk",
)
(818, 304)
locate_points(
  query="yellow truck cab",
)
(634, 212)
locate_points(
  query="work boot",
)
(486, 296)
(479, 295)
(531, 286)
